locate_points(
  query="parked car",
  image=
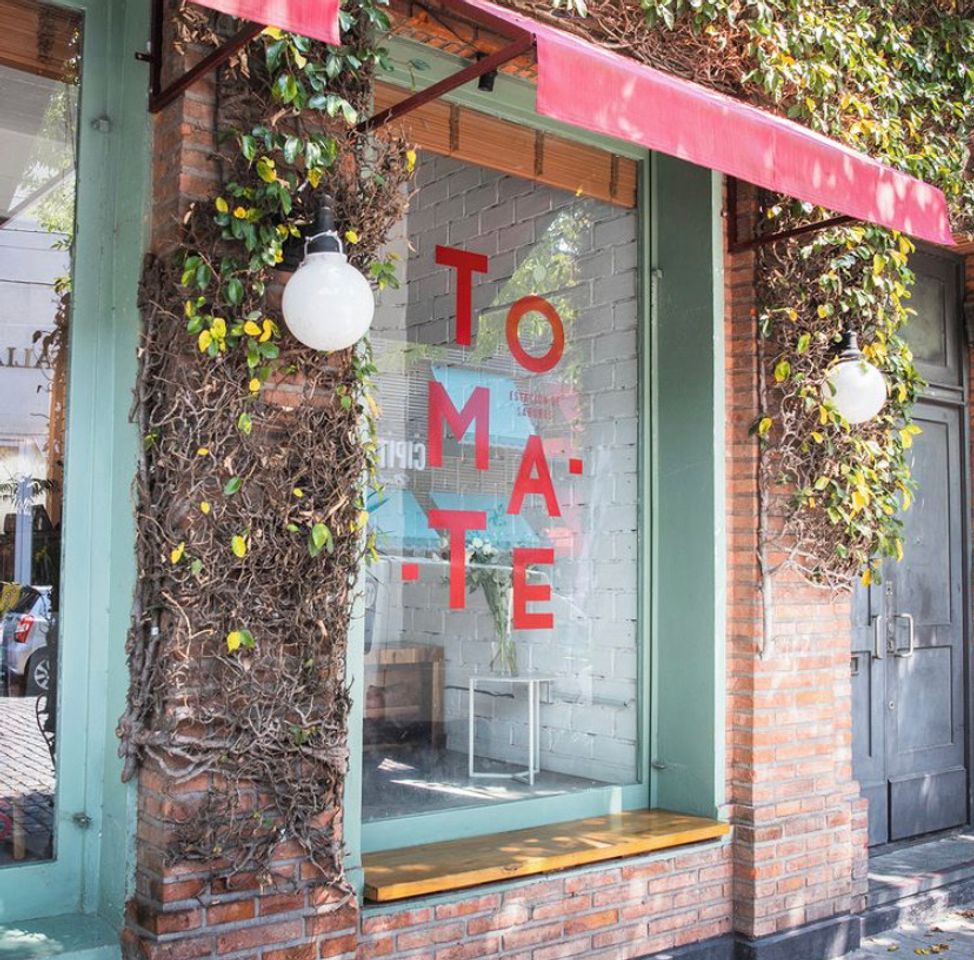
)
(28, 641)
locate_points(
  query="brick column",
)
(181, 910)
(800, 825)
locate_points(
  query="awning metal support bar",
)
(160, 98)
(736, 245)
(478, 68)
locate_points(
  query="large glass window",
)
(39, 72)
(502, 639)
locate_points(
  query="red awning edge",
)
(592, 88)
(317, 19)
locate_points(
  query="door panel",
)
(908, 677)
(868, 706)
(932, 333)
(927, 802)
(925, 725)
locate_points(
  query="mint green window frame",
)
(681, 303)
(92, 866)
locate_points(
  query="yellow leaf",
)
(218, 328)
(907, 498)
(823, 310)
(300, 61)
(867, 576)
(254, 385)
(351, 236)
(764, 426)
(906, 438)
(858, 501)
(251, 329)
(373, 406)
(410, 160)
(314, 177)
(204, 340)
(234, 640)
(363, 518)
(792, 314)
(817, 437)
(901, 392)
(205, 506)
(879, 264)
(899, 550)
(823, 416)
(268, 329)
(203, 452)
(906, 246)
(275, 33)
(177, 554)
(240, 213)
(221, 205)
(239, 546)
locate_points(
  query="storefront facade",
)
(565, 621)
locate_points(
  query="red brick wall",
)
(800, 831)
(624, 910)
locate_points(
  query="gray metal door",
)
(908, 656)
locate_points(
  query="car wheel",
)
(38, 674)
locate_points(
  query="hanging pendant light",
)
(328, 305)
(853, 384)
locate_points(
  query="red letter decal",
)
(525, 593)
(458, 522)
(533, 476)
(466, 265)
(535, 305)
(439, 407)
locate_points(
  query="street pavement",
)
(950, 936)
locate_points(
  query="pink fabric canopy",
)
(310, 18)
(586, 86)
(592, 88)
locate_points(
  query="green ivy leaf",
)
(232, 486)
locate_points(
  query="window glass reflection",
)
(39, 73)
(504, 668)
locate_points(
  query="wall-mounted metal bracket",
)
(159, 97)
(482, 67)
(737, 245)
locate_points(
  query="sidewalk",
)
(950, 936)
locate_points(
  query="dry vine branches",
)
(250, 512)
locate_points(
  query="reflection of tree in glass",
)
(49, 177)
(549, 271)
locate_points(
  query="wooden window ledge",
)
(454, 864)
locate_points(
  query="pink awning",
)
(310, 18)
(592, 88)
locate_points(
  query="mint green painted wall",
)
(93, 865)
(689, 536)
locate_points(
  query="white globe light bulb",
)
(857, 389)
(327, 303)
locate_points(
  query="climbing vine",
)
(893, 78)
(251, 518)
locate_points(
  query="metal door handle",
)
(879, 639)
(908, 652)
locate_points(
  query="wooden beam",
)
(455, 864)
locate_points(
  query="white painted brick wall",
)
(588, 717)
